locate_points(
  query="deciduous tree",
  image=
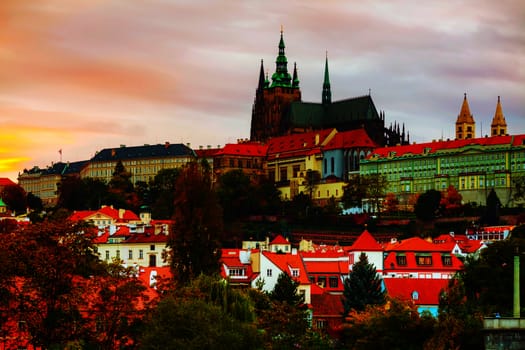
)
(195, 236)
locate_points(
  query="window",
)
(415, 295)
(269, 272)
(333, 282)
(238, 272)
(332, 165)
(118, 254)
(130, 254)
(424, 259)
(295, 273)
(152, 247)
(284, 174)
(320, 324)
(141, 254)
(107, 254)
(446, 259)
(401, 259)
(321, 281)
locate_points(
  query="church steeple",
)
(281, 77)
(327, 93)
(499, 125)
(295, 80)
(261, 77)
(465, 124)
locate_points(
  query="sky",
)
(80, 76)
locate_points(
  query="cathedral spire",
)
(499, 125)
(261, 76)
(465, 124)
(295, 79)
(281, 77)
(327, 93)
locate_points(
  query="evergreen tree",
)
(427, 205)
(491, 217)
(285, 290)
(363, 287)
(197, 229)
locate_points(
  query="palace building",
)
(278, 109)
(474, 166)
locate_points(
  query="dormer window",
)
(446, 259)
(401, 259)
(424, 259)
(295, 273)
(415, 295)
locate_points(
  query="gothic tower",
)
(465, 124)
(499, 125)
(272, 100)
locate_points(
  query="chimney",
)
(121, 213)
(166, 144)
(317, 139)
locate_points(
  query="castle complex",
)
(278, 109)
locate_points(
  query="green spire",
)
(281, 77)
(327, 93)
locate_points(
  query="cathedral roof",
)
(464, 115)
(332, 115)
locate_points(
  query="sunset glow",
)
(86, 75)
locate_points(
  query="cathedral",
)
(278, 109)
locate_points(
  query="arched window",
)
(415, 295)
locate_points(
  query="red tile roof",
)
(366, 242)
(285, 262)
(427, 289)
(433, 147)
(415, 244)
(4, 181)
(206, 153)
(298, 144)
(279, 240)
(127, 215)
(250, 149)
(351, 139)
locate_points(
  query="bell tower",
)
(465, 124)
(272, 100)
(499, 125)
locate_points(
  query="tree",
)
(311, 179)
(48, 264)
(284, 318)
(116, 306)
(205, 314)
(427, 205)
(233, 190)
(194, 238)
(391, 203)
(492, 210)
(121, 190)
(395, 325)
(285, 291)
(451, 201)
(162, 193)
(518, 183)
(362, 287)
(34, 202)
(15, 198)
(360, 187)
